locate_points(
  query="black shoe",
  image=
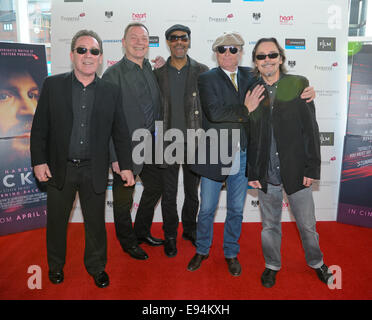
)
(137, 252)
(56, 277)
(150, 240)
(170, 247)
(196, 261)
(324, 274)
(101, 279)
(190, 236)
(234, 266)
(268, 278)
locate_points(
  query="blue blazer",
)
(223, 110)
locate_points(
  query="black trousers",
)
(59, 205)
(123, 202)
(169, 200)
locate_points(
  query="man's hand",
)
(255, 184)
(308, 93)
(307, 181)
(127, 176)
(253, 99)
(159, 62)
(115, 167)
(42, 172)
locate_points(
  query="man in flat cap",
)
(226, 103)
(181, 110)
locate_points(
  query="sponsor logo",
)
(109, 14)
(326, 44)
(140, 17)
(153, 41)
(111, 62)
(256, 17)
(253, 0)
(296, 44)
(255, 203)
(326, 68)
(286, 20)
(221, 1)
(291, 63)
(73, 18)
(228, 18)
(327, 138)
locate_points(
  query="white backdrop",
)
(313, 33)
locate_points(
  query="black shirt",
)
(177, 83)
(82, 105)
(273, 171)
(150, 96)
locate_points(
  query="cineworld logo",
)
(326, 68)
(286, 20)
(326, 44)
(327, 138)
(228, 18)
(296, 44)
(153, 41)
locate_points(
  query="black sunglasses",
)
(222, 49)
(174, 38)
(93, 51)
(270, 55)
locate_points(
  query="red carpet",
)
(163, 278)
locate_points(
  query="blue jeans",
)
(302, 208)
(236, 187)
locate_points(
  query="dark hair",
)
(89, 33)
(282, 67)
(134, 24)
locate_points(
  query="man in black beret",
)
(182, 110)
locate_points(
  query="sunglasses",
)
(93, 51)
(174, 38)
(222, 49)
(270, 55)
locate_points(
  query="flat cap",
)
(177, 27)
(228, 39)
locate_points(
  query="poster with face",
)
(22, 201)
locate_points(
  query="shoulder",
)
(294, 81)
(108, 85)
(56, 79)
(197, 65)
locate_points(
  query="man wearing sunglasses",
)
(76, 115)
(284, 153)
(141, 104)
(227, 103)
(181, 110)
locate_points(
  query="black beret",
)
(177, 27)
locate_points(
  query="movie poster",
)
(355, 200)
(22, 201)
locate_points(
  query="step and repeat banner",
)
(314, 35)
(22, 71)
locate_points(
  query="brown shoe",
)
(234, 266)
(196, 261)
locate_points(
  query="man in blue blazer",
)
(76, 115)
(226, 102)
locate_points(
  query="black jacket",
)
(296, 133)
(121, 74)
(52, 126)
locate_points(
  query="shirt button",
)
(82, 125)
(196, 112)
(194, 94)
(277, 167)
(83, 107)
(81, 142)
